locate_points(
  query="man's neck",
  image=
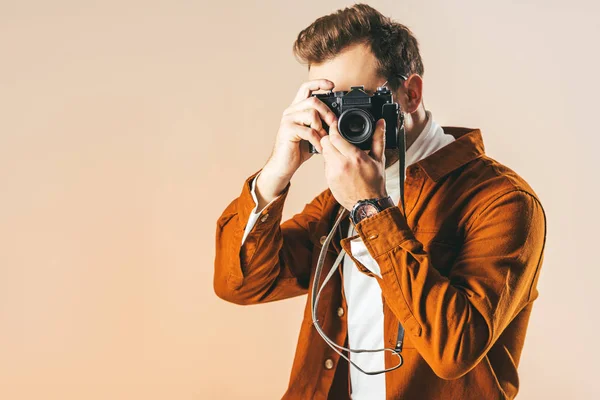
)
(419, 120)
(412, 132)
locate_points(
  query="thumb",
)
(378, 145)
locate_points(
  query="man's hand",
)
(352, 174)
(301, 123)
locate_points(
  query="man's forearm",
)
(454, 320)
(269, 185)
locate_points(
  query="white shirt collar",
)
(431, 139)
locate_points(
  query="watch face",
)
(365, 211)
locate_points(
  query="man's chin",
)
(391, 157)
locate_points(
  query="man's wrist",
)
(369, 207)
(269, 186)
(386, 202)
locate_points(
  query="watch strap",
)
(385, 202)
(381, 204)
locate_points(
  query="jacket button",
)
(264, 218)
(329, 363)
(340, 311)
(323, 238)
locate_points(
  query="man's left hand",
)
(353, 174)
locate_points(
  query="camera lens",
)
(356, 125)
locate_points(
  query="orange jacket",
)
(459, 272)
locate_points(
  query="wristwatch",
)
(369, 207)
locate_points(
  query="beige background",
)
(127, 127)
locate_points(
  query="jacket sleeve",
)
(255, 213)
(274, 261)
(454, 321)
(360, 252)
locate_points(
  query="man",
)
(457, 274)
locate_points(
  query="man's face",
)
(356, 66)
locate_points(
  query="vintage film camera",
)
(357, 113)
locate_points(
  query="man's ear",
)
(412, 93)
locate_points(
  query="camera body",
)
(358, 112)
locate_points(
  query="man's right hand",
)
(301, 123)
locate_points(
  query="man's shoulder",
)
(503, 178)
(488, 180)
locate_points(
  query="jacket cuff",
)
(246, 205)
(360, 252)
(384, 231)
(347, 246)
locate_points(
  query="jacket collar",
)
(467, 147)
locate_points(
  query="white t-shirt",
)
(362, 292)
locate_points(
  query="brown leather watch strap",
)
(385, 202)
(380, 203)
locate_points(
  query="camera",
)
(358, 112)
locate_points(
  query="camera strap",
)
(400, 140)
(315, 301)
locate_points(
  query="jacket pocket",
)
(442, 255)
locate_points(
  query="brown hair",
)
(392, 43)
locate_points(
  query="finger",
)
(308, 134)
(346, 148)
(307, 88)
(378, 146)
(310, 118)
(329, 150)
(324, 111)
